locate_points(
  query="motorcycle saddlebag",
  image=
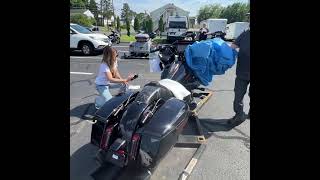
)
(162, 131)
(102, 116)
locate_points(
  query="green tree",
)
(93, 8)
(150, 25)
(81, 19)
(107, 10)
(126, 12)
(209, 11)
(161, 24)
(86, 3)
(77, 3)
(235, 12)
(118, 24)
(128, 26)
(136, 25)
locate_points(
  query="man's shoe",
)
(237, 119)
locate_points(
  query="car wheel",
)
(87, 48)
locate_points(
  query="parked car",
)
(140, 48)
(85, 40)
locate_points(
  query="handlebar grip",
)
(155, 50)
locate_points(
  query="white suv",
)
(86, 41)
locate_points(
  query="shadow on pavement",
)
(84, 167)
(80, 111)
(82, 163)
(79, 53)
(211, 126)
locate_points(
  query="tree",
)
(93, 8)
(118, 24)
(77, 3)
(86, 3)
(81, 19)
(161, 24)
(209, 11)
(150, 25)
(126, 12)
(136, 25)
(128, 26)
(235, 12)
(107, 10)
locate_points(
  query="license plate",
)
(115, 156)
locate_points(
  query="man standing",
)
(242, 75)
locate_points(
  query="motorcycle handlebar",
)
(155, 50)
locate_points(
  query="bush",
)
(82, 20)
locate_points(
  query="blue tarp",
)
(208, 58)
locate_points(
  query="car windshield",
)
(177, 24)
(80, 29)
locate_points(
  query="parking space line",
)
(84, 57)
(120, 46)
(81, 73)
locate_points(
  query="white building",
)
(165, 11)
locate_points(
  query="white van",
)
(233, 30)
(215, 25)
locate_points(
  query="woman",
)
(109, 77)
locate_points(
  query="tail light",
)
(121, 152)
(134, 146)
(106, 137)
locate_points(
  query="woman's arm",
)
(117, 74)
(116, 80)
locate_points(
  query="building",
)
(165, 11)
(81, 11)
(104, 21)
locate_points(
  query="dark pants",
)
(240, 89)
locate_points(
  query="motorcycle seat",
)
(152, 92)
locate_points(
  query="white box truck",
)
(176, 26)
(233, 30)
(215, 25)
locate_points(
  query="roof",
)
(142, 36)
(167, 6)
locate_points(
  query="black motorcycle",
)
(218, 34)
(114, 37)
(138, 129)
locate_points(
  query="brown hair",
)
(110, 57)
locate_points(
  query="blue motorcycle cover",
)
(208, 58)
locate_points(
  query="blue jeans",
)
(105, 94)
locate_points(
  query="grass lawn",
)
(158, 40)
(126, 38)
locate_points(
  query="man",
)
(203, 32)
(242, 75)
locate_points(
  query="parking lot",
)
(227, 155)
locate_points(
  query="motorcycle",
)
(218, 34)
(138, 128)
(114, 37)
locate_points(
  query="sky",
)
(149, 5)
